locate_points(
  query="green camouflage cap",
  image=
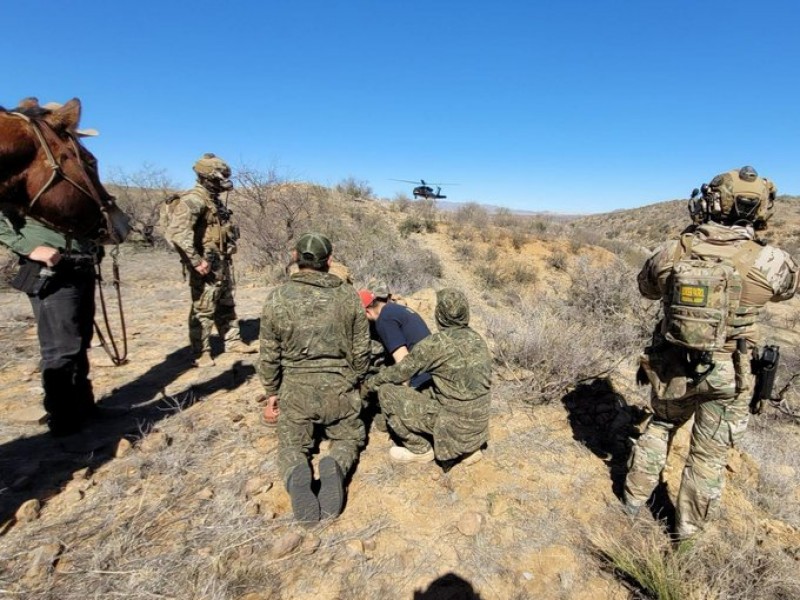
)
(379, 288)
(314, 247)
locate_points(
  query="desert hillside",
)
(175, 494)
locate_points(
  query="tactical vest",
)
(702, 302)
(209, 232)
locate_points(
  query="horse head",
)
(49, 175)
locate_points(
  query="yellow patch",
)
(693, 295)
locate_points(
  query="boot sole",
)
(331, 488)
(305, 505)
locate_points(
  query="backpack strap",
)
(744, 259)
(683, 247)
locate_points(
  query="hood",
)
(452, 309)
(317, 278)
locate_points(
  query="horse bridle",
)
(41, 129)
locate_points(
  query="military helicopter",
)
(424, 190)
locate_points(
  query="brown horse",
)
(48, 175)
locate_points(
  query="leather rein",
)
(42, 131)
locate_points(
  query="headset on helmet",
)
(737, 196)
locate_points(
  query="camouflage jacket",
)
(199, 226)
(457, 358)
(313, 323)
(773, 276)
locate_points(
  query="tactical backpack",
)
(702, 303)
(165, 216)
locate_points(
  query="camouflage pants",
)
(212, 305)
(719, 405)
(410, 413)
(326, 399)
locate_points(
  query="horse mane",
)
(33, 112)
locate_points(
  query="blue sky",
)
(568, 106)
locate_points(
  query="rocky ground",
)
(176, 495)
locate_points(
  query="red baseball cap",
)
(367, 298)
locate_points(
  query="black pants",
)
(64, 318)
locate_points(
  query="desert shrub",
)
(464, 250)
(609, 293)
(491, 254)
(488, 275)
(547, 349)
(411, 224)
(558, 260)
(402, 263)
(539, 227)
(553, 343)
(455, 231)
(503, 217)
(271, 214)
(522, 274)
(140, 195)
(472, 214)
(401, 203)
(646, 559)
(355, 188)
(518, 239)
(726, 565)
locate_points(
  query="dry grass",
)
(720, 565)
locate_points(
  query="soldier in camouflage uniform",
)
(719, 398)
(201, 231)
(455, 409)
(314, 354)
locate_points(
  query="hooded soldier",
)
(713, 283)
(201, 231)
(449, 420)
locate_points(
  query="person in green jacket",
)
(58, 276)
(450, 420)
(314, 353)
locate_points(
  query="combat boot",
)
(239, 347)
(204, 360)
(404, 455)
(305, 505)
(331, 488)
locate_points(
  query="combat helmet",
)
(213, 173)
(738, 196)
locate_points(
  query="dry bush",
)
(551, 344)
(643, 558)
(464, 251)
(503, 217)
(141, 194)
(271, 214)
(401, 203)
(473, 215)
(356, 189)
(518, 239)
(717, 566)
(558, 260)
(488, 275)
(523, 274)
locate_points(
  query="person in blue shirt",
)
(398, 327)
